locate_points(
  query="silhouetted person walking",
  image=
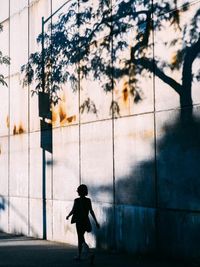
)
(80, 211)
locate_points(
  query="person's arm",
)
(71, 212)
(93, 215)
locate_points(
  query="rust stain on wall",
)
(59, 114)
(125, 92)
(146, 134)
(14, 130)
(18, 129)
(62, 113)
(71, 119)
(174, 58)
(7, 121)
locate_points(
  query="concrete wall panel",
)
(49, 218)
(4, 110)
(103, 237)
(133, 84)
(4, 10)
(179, 234)
(39, 167)
(134, 160)
(17, 6)
(4, 91)
(4, 166)
(38, 218)
(65, 162)
(63, 230)
(36, 166)
(18, 219)
(4, 45)
(18, 177)
(140, 222)
(18, 38)
(18, 107)
(96, 160)
(95, 99)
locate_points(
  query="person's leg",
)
(81, 239)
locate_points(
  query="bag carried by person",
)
(73, 220)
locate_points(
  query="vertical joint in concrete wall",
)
(79, 103)
(28, 125)
(155, 140)
(113, 138)
(44, 194)
(9, 120)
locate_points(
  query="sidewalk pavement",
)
(24, 251)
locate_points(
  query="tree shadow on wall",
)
(131, 34)
(111, 46)
(159, 198)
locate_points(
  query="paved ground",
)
(27, 252)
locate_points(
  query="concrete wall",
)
(142, 167)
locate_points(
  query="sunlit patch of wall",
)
(64, 113)
(134, 94)
(172, 42)
(95, 100)
(4, 94)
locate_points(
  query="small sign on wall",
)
(44, 106)
(46, 136)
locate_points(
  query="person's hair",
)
(82, 190)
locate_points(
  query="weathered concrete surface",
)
(4, 166)
(4, 93)
(65, 162)
(103, 237)
(63, 230)
(92, 94)
(18, 166)
(134, 168)
(28, 252)
(18, 39)
(178, 152)
(140, 222)
(18, 215)
(165, 97)
(132, 100)
(145, 161)
(96, 160)
(179, 234)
